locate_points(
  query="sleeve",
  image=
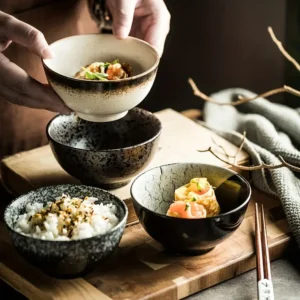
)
(101, 15)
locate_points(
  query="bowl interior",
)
(137, 127)
(74, 52)
(154, 189)
(48, 194)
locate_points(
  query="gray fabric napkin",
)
(272, 130)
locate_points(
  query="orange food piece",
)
(186, 210)
(199, 186)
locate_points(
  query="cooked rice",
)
(67, 219)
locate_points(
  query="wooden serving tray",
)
(140, 268)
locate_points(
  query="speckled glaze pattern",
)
(65, 259)
(153, 192)
(112, 153)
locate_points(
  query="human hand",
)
(16, 85)
(145, 19)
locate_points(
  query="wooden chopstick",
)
(265, 250)
(264, 282)
(258, 247)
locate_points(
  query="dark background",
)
(221, 44)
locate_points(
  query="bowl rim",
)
(154, 66)
(107, 150)
(120, 224)
(243, 179)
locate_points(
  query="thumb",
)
(122, 12)
(12, 29)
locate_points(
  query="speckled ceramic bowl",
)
(107, 155)
(153, 192)
(65, 259)
(101, 101)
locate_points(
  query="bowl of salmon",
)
(190, 208)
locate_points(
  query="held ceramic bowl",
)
(153, 192)
(65, 259)
(101, 101)
(107, 155)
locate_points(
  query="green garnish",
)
(199, 187)
(194, 199)
(116, 61)
(186, 207)
(94, 75)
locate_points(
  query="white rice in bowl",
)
(67, 219)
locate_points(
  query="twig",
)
(282, 50)
(242, 99)
(240, 148)
(237, 152)
(254, 168)
(222, 148)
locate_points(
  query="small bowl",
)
(101, 101)
(153, 191)
(65, 259)
(106, 155)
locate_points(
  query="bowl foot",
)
(101, 118)
(189, 252)
(107, 186)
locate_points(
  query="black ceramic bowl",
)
(65, 259)
(153, 192)
(107, 155)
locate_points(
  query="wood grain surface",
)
(140, 268)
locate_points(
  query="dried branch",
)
(282, 50)
(248, 168)
(234, 157)
(242, 99)
(222, 148)
(241, 147)
(254, 168)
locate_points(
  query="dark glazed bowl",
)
(101, 101)
(65, 259)
(106, 155)
(153, 191)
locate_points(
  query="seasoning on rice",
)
(67, 219)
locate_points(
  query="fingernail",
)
(47, 53)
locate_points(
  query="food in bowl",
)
(195, 199)
(65, 258)
(67, 218)
(101, 100)
(152, 193)
(105, 71)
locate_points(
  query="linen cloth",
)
(272, 130)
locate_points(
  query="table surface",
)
(285, 276)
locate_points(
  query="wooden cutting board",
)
(140, 268)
